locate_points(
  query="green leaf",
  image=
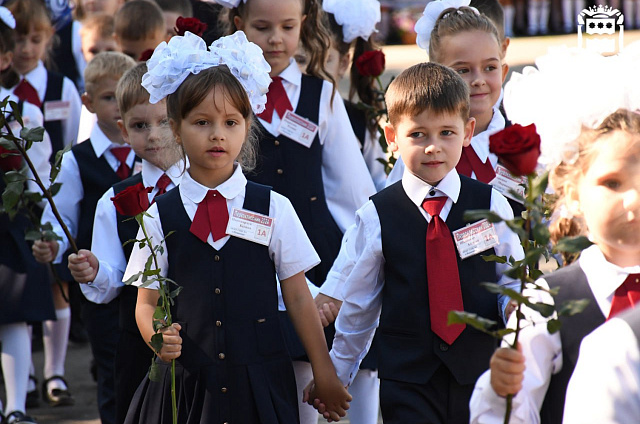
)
(572, 244)
(173, 294)
(572, 307)
(33, 235)
(54, 188)
(495, 258)
(535, 273)
(516, 226)
(159, 313)
(553, 325)
(478, 214)
(479, 323)
(133, 278)
(539, 185)
(55, 169)
(498, 289)
(156, 342)
(10, 199)
(15, 111)
(7, 143)
(541, 234)
(154, 372)
(544, 309)
(32, 134)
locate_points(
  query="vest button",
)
(221, 355)
(216, 258)
(444, 347)
(280, 171)
(313, 199)
(277, 143)
(217, 291)
(223, 390)
(218, 323)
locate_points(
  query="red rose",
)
(12, 161)
(193, 25)
(132, 200)
(145, 55)
(371, 63)
(517, 148)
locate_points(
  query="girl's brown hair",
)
(193, 91)
(456, 20)
(30, 14)
(8, 77)
(568, 174)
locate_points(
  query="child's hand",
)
(45, 251)
(507, 371)
(83, 266)
(328, 308)
(327, 394)
(171, 342)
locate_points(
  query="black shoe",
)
(18, 417)
(57, 397)
(33, 397)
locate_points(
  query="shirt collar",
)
(603, 276)
(418, 189)
(292, 73)
(99, 141)
(151, 173)
(231, 188)
(480, 141)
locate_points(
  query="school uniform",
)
(234, 366)
(86, 172)
(133, 355)
(380, 274)
(605, 386)
(551, 358)
(67, 56)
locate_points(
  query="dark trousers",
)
(101, 323)
(133, 359)
(440, 401)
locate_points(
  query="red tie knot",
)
(163, 183)
(121, 153)
(434, 205)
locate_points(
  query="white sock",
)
(16, 356)
(534, 17)
(365, 391)
(55, 336)
(303, 373)
(31, 385)
(509, 13)
(544, 16)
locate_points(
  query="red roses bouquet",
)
(193, 25)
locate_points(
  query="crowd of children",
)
(308, 276)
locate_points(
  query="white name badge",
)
(250, 226)
(57, 110)
(475, 238)
(504, 182)
(297, 128)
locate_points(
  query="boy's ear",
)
(86, 101)
(505, 71)
(469, 128)
(123, 131)
(390, 135)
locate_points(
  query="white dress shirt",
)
(71, 192)
(357, 275)
(346, 179)
(37, 77)
(605, 385)
(106, 245)
(289, 247)
(543, 351)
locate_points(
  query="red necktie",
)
(121, 153)
(211, 216)
(470, 162)
(626, 296)
(276, 100)
(25, 91)
(161, 185)
(442, 273)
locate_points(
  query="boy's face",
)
(101, 100)
(92, 44)
(430, 143)
(92, 7)
(146, 128)
(134, 48)
(170, 19)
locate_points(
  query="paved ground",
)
(521, 52)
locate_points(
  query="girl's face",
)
(275, 27)
(91, 7)
(475, 55)
(608, 196)
(212, 135)
(336, 64)
(30, 48)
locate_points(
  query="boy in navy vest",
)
(145, 127)
(86, 172)
(398, 268)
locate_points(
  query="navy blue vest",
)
(62, 56)
(295, 171)
(573, 285)
(229, 300)
(54, 128)
(408, 350)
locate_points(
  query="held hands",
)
(83, 266)
(507, 371)
(45, 251)
(328, 396)
(171, 342)
(328, 308)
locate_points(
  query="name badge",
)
(250, 226)
(475, 238)
(298, 129)
(57, 110)
(505, 183)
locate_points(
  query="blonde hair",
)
(138, 20)
(568, 174)
(106, 65)
(456, 20)
(130, 91)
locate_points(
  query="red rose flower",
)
(132, 200)
(12, 161)
(371, 63)
(517, 148)
(193, 25)
(145, 55)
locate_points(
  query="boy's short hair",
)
(182, 7)
(493, 10)
(101, 23)
(106, 65)
(138, 20)
(130, 91)
(427, 86)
